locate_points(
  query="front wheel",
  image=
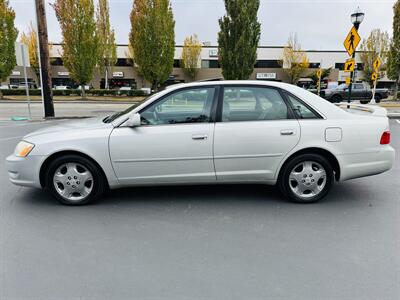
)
(74, 180)
(364, 101)
(306, 178)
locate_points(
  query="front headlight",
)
(23, 149)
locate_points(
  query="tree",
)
(79, 39)
(106, 35)
(376, 44)
(295, 61)
(394, 54)
(30, 39)
(238, 38)
(191, 56)
(152, 39)
(8, 36)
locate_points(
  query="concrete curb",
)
(394, 116)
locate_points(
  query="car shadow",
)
(346, 193)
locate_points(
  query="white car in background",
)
(210, 132)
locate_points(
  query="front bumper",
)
(366, 164)
(24, 171)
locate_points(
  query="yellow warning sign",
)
(352, 40)
(348, 80)
(349, 65)
(374, 76)
(377, 63)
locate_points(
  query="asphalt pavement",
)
(204, 242)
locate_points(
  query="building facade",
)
(267, 67)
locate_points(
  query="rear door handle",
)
(287, 132)
(199, 137)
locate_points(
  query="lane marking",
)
(398, 121)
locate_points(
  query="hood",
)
(88, 123)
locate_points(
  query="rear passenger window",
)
(253, 104)
(301, 110)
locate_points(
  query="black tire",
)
(99, 182)
(364, 101)
(336, 99)
(284, 180)
(378, 98)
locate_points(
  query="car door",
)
(173, 143)
(358, 91)
(256, 130)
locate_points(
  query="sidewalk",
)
(81, 109)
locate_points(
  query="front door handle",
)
(199, 137)
(287, 132)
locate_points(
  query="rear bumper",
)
(24, 171)
(366, 164)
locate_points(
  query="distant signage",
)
(348, 81)
(349, 65)
(377, 63)
(352, 40)
(374, 76)
(266, 76)
(213, 53)
(118, 74)
(15, 73)
(22, 54)
(63, 73)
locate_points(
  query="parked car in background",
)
(124, 90)
(4, 87)
(206, 133)
(360, 91)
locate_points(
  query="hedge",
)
(76, 92)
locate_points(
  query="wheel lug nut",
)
(312, 180)
(73, 186)
(75, 177)
(310, 175)
(78, 182)
(68, 183)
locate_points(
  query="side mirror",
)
(134, 121)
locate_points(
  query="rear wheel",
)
(336, 99)
(364, 101)
(378, 98)
(74, 180)
(306, 178)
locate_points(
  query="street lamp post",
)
(356, 18)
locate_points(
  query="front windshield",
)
(115, 116)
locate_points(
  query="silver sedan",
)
(206, 133)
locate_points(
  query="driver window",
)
(184, 106)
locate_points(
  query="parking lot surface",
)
(203, 242)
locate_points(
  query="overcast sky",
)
(319, 24)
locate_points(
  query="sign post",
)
(374, 77)
(319, 74)
(350, 44)
(22, 56)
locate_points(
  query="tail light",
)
(385, 138)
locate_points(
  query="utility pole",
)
(44, 60)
